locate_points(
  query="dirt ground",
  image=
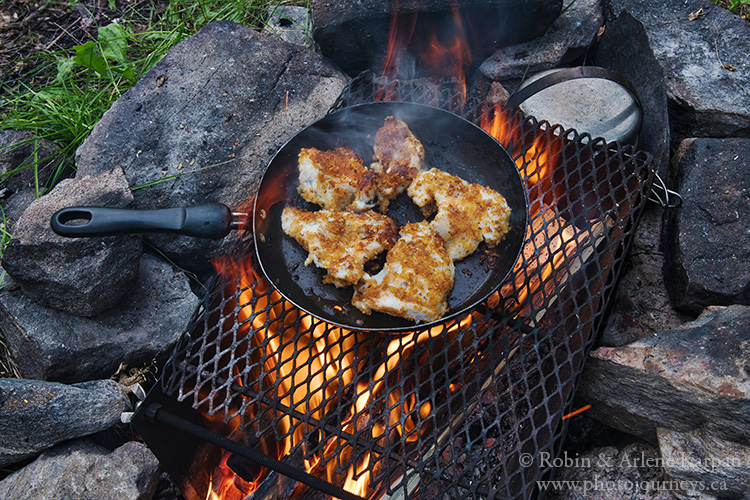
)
(29, 28)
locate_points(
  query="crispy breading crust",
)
(336, 180)
(415, 281)
(399, 157)
(419, 272)
(466, 213)
(340, 242)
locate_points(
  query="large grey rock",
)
(21, 167)
(84, 471)
(707, 239)
(36, 415)
(54, 345)
(704, 55)
(610, 473)
(678, 379)
(642, 306)
(625, 49)
(355, 33)
(212, 112)
(569, 37)
(82, 276)
(711, 465)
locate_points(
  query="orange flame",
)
(309, 369)
(444, 55)
(450, 59)
(226, 485)
(537, 160)
(358, 486)
(496, 121)
(304, 371)
(399, 36)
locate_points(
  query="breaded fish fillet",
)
(466, 213)
(415, 281)
(340, 242)
(399, 157)
(336, 180)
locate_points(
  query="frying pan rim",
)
(516, 177)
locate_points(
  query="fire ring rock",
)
(707, 239)
(35, 415)
(82, 276)
(704, 52)
(53, 345)
(82, 470)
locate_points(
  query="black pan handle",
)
(212, 220)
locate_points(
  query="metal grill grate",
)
(467, 408)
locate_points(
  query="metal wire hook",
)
(662, 195)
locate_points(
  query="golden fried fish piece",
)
(340, 242)
(399, 157)
(415, 280)
(466, 213)
(336, 180)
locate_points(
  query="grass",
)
(734, 5)
(4, 239)
(84, 81)
(739, 7)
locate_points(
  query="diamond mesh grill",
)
(434, 413)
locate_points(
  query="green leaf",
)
(87, 55)
(129, 73)
(64, 69)
(113, 42)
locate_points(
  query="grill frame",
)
(516, 364)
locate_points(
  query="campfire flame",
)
(326, 364)
(226, 485)
(535, 161)
(442, 54)
(450, 59)
(309, 370)
(302, 378)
